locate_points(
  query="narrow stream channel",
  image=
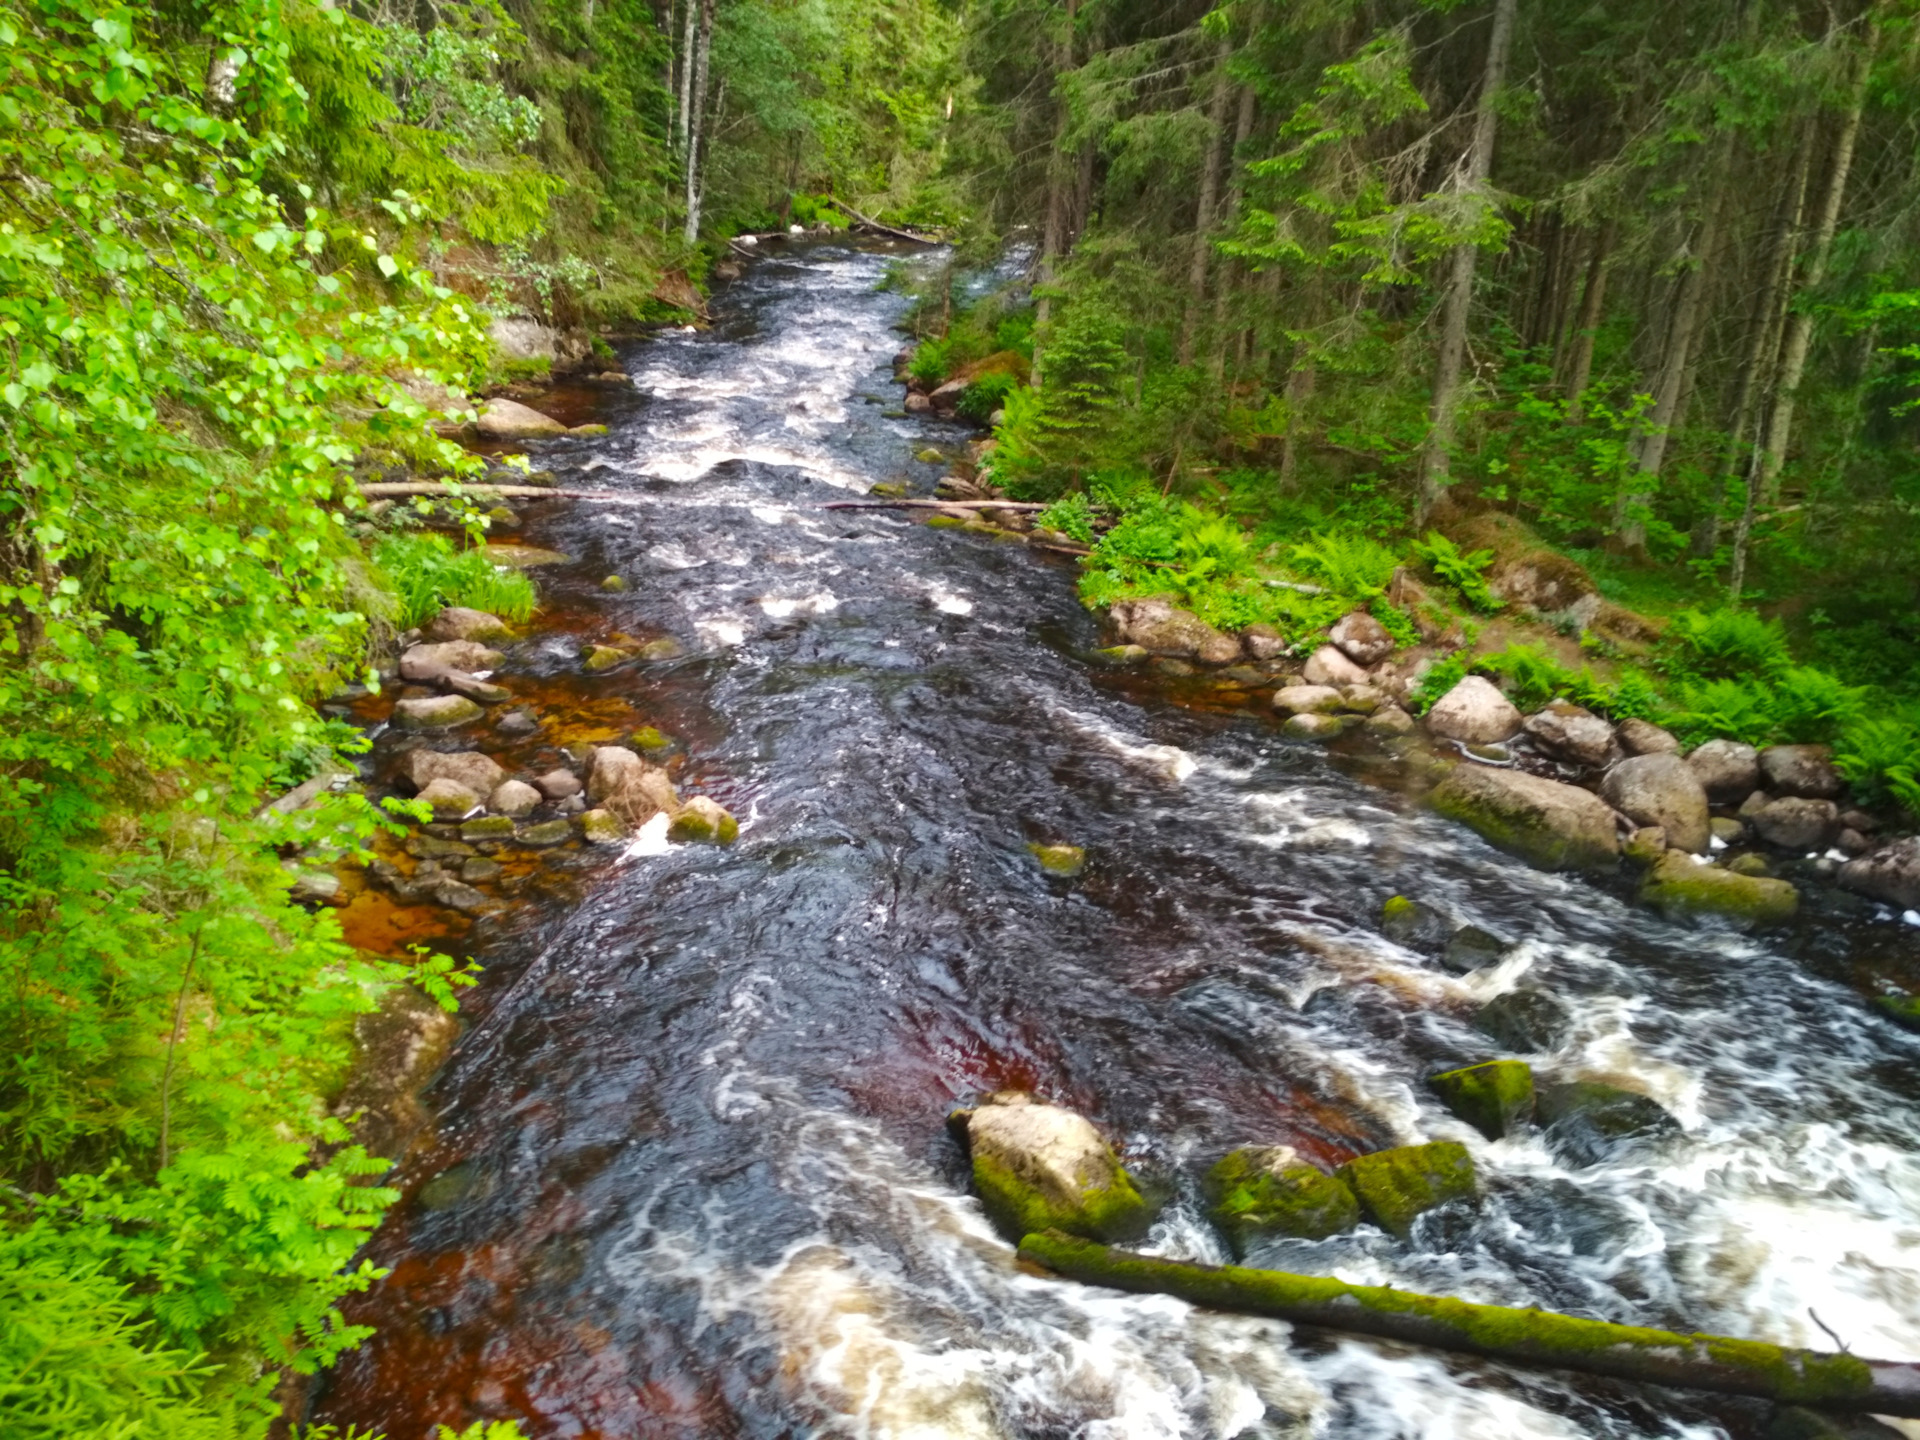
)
(689, 1175)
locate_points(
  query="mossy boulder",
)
(1527, 1021)
(487, 827)
(613, 584)
(1314, 727)
(544, 835)
(945, 522)
(1494, 1097)
(1903, 1010)
(1261, 1192)
(1408, 922)
(1588, 1121)
(435, 712)
(1470, 948)
(1064, 860)
(1398, 1186)
(605, 657)
(603, 827)
(1549, 825)
(702, 821)
(1681, 886)
(649, 740)
(1040, 1167)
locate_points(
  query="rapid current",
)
(688, 1174)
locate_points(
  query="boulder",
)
(702, 821)
(1549, 825)
(449, 799)
(516, 723)
(457, 622)
(1646, 845)
(1416, 926)
(1726, 768)
(1568, 732)
(1475, 712)
(1804, 770)
(505, 419)
(1396, 1187)
(429, 662)
(1751, 863)
(513, 797)
(456, 895)
(603, 827)
(1262, 641)
(435, 712)
(1262, 1192)
(1661, 790)
(1470, 948)
(1891, 873)
(1755, 802)
(917, 404)
(1161, 627)
(605, 657)
(518, 338)
(1040, 1167)
(1794, 823)
(636, 791)
(1727, 830)
(1314, 727)
(1494, 1098)
(1851, 842)
(487, 827)
(315, 887)
(1531, 1022)
(1681, 885)
(1063, 860)
(1363, 639)
(1329, 665)
(546, 833)
(1390, 720)
(1587, 1121)
(558, 784)
(470, 768)
(1307, 700)
(1362, 699)
(1643, 737)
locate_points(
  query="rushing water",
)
(689, 1175)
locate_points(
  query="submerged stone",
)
(1066, 860)
(1470, 948)
(1398, 1186)
(1588, 1121)
(1040, 1167)
(1408, 922)
(1493, 1097)
(605, 657)
(1681, 886)
(603, 827)
(545, 834)
(1124, 654)
(1266, 1191)
(435, 712)
(613, 584)
(487, 827)
(647, 738)
(1531, 1022)
(1903, 1010)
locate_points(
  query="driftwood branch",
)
(932, 505)
(1528, 1337)
(873, 224)
(511, 492)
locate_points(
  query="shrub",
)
(1071, 515)
(1880, 757)
(929, 363)
(985, 395)
(1812, 706)
(1729, 644)
(426, 573)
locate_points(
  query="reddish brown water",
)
(690, 1176)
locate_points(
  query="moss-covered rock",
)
(1067, 860)
(1260, 1192)
(1903, 1010)
(1314, 727)
(1470, 948)
(1398, 1186)
(701, 821)
(945, 522)
(1040, 1167)
(435, 712)
(650, 741)
(1588, 1121)
(1681, 886)
(545, 834)
(603, 827)
(1124, 654)
(665, 648)
(605, 657)
(1493, 1097)
(1527, 1021)
(1408, 922)
(613, 584)
(487, 827)
(1547, 824)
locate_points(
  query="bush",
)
(1729, 644)
(1071, 515)
(986, 395)
(1880, 758)
(1352, 567)
(1466, 572)
(427, 573)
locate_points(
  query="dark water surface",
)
(689, 1175)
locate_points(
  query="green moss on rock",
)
(1680, 886)
(1398, 1186)
(1063, 860)
(1262, 1191)
(945, 522)
(1493, 1097)
(1549, 825)
(1903, 1010)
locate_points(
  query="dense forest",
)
(1322, 291)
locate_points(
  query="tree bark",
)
(696, 114)
(1764, 477)
(1242, 132)
(685, 88)
(1053, 236)
(1437, 457)
(1527, 1337)
(1209, 197)
(1593, 301)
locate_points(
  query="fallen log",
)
(931, 505)
(511, 492)
(1528, 1337)
(873, 224)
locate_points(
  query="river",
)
(689, 1175)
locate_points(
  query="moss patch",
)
(1254, 1199)
(1493, 1098)
(1065, 860)
(1679, 886)
(1398, 1186)
(1112, 1212)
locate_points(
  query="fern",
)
(1881, 758)
(1071, 515)
(1351, 566)
(1442, 677)
(1465, 572)
(1729, 644)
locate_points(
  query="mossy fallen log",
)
(1527, 1337)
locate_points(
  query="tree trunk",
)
(1764, 478)
(696, 113)
(1527, 1337)
(1437, 457)
(685, 89)
(1053, 236)
(1242, 132)
(1649, 444)
(1593, 301)
(1209, 197)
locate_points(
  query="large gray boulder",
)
(1329, 665)
(479, 773)
(1727, 769)
(1158, 625)
(424, 662)
(434, 712)
(1663, 790)
(449, 799)
(1805, 770)
(1891, 873)
(505, 419)
(1681, 885)
(1568, 732)
(1474, 712)
(1307, 700)
(1363, 639)
(1796, 823)
(458, 622)
(1549, 825)
(1643, 737)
